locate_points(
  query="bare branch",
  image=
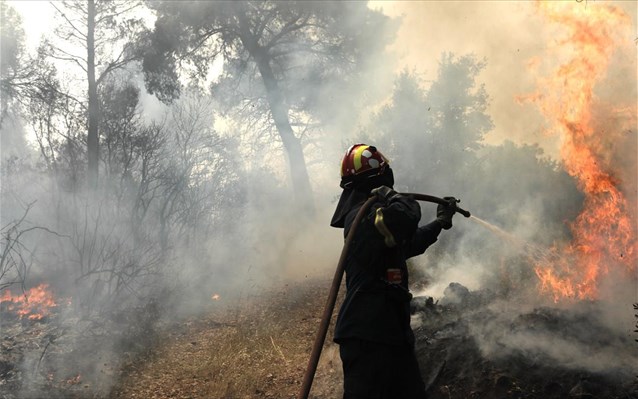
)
(289, 27)
(264, 22)
(119, 62)
(12, 257)
(201, 42)
(74, 60)
(116, 14)
(78, 31)
(66, 53)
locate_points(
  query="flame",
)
(603, 233)
(74, 380)
(215, 297)
(35, 303)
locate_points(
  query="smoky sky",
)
(509, 35)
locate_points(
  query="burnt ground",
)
(258, 347)
(472, 349)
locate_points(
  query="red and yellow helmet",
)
(362, 160)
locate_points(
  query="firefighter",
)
(376, 342)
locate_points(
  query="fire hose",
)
(336, 283)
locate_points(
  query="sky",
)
(37, 19)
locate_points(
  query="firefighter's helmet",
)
(360, 162)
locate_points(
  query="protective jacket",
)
(377, 303)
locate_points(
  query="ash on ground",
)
(473, 345)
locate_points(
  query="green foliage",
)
(284, 62)
(459, 109)
(122, 134)
(433, 133)
(309, 45)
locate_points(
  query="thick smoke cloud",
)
(521, 57)
(511, 36)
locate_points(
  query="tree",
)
(12, 48)
(57, 125)
(433, 132)
(22, 77)
(459, 108)
(291, 48)
(402, 129)
(105, 31)
(119, 126)
(198, 174)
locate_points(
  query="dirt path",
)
(257, 348)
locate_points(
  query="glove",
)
(444, 213)
(384, 193)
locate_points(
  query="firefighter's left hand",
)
(384, 193)
(444, 213)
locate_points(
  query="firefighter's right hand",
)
(384, 193)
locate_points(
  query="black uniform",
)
(373, 326)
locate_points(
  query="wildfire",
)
(215, 297)
(74, 380)
(35, 303)
(603, 233)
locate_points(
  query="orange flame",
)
(603, 233)
(35, 303)
(74, 380)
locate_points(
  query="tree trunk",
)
(279, 110)
(92, 142)
(292, 145)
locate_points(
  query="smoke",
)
(577, 338)
(537, 214)
(517, 181)
(511, 35)
(239, 232)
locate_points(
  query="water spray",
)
(534, 252)
(336, 283)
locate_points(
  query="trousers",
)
(377, 371)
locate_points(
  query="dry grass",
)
(255, 349)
